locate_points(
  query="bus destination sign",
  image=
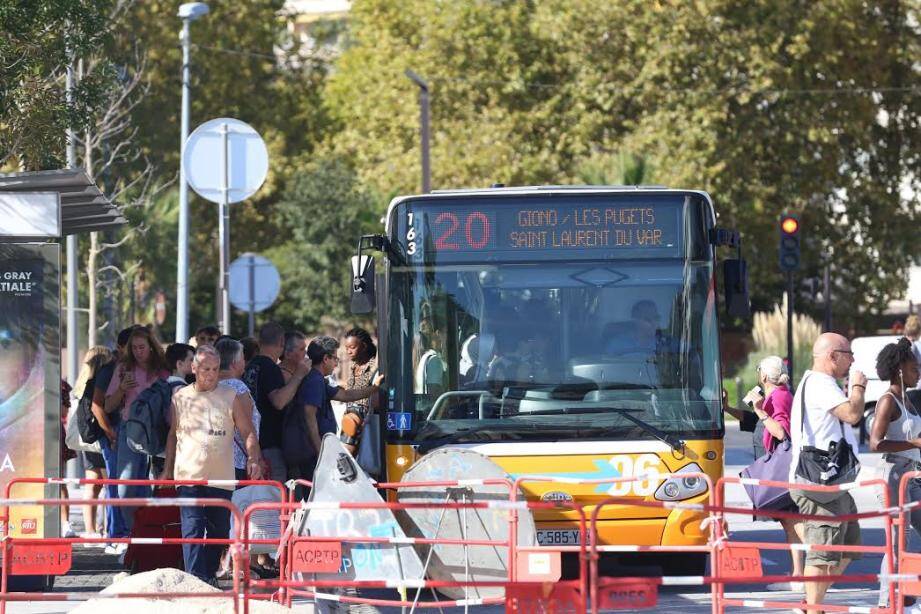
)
(589, 227)
(529, 228)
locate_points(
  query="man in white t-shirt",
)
(828, 412)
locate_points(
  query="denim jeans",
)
(209, 522)
(131, 466)
(115, 524)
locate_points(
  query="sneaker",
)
(915, 609)
(116, 549)
(92, 536)
(67, 530)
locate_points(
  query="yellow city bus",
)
(560, 331)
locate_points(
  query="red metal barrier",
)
(301, 587)
(9, 543)
(589, 591)
(723, 554)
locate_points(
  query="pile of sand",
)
(172, 581)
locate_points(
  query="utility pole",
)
(188, 13)
(826, 292)
(424, 124)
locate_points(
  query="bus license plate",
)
(558, 537)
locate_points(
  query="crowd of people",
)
(818, 418)
(259, 409)
(240, 409)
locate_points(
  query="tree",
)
(39, 39)
(771, 106)
(324, 209)
(791, 106)
(245, 66)
(496, 110)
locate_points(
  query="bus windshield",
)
(556, 349)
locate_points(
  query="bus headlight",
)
(678, 488)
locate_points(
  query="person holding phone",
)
(771, 403)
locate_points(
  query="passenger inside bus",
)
(429, 375)
(637, 336)
(523, 348)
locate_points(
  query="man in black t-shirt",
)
(267, 384)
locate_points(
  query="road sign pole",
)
(224, 231)
(790, 323)
(218, 183)
(252, 295)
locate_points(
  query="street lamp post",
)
(72, 293)
(188, 13)
(424, 123)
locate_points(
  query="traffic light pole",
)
(790, 324)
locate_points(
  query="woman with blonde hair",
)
(93, 463)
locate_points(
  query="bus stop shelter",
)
(37, 210)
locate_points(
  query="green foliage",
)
(324, 209)
(34, 111)
(622, 169)
(808, 107)
(237, 70)
(243, 66)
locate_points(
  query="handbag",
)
(89, 427)
(773, 466)
(817, 467)
(263, 524)
(369, 446)
(72, 437)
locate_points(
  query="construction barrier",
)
(55, 554)
(740, 562)
(532, 573)
(33, 549)
(532, 580)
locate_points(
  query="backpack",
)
(147, 427)
(295, 443)
(87, 424)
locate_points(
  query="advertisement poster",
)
(29, 386)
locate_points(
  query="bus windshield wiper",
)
(436, 438)
(675, 443)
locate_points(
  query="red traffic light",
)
(789, 225)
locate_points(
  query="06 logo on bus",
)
(627, 466)
(477, 231)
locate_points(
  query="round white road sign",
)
(225, 154)
(254, 283)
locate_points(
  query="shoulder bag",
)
(773, 466)
(832, 467)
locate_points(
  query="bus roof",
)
(542, 190)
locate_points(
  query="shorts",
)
(93, 461)
(828, 532)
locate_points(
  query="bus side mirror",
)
(362, 300)
(735, 285)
